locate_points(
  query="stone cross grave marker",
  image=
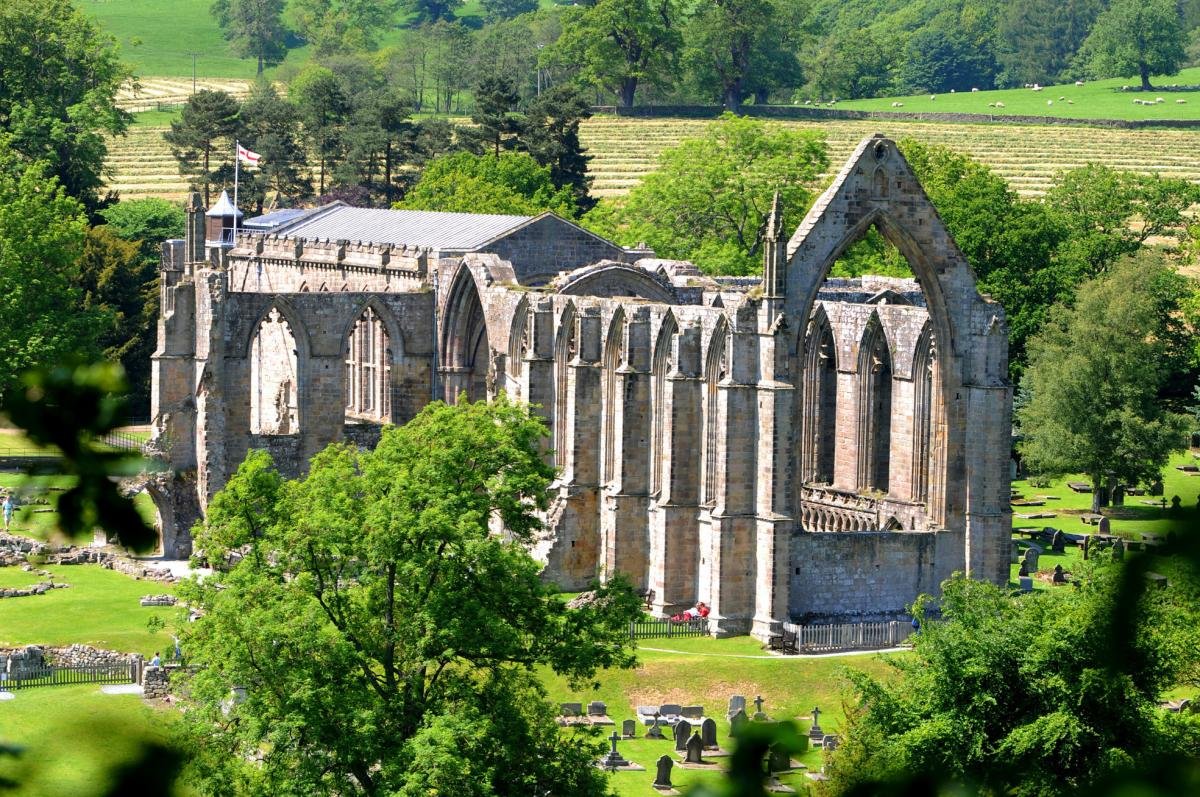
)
(708, 733)
(613, 759)
(815, 731)
(682, 729)
(695, 750)
(655, 731)
(629, 729)
(759, 716)
(662, 777)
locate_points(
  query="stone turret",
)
(775, 253)
(220, 222)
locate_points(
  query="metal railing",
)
(844, 636)
(24, 678)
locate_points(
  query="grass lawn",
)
(100, 608)
(705, 671)
(1101, 99)
(73, 736)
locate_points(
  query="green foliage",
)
(496, 10)
(325, 107)
(254, 28)
(204, 131)
(511, 183)
(734, 49)
(379, 628)
(552, 137)
(1022, 695)
(335, 26)
(1037, 38)
(41, 239)
(148, 222)
(1135, 37)
(710, 198)
(58, 93)
(1095, 371)
(619, 44)
(497, 123)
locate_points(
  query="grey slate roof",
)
(424, 228)
(276, 218)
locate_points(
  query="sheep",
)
(1036, 87)
(932, 97)
(1159, 99)
(1070, 102)
(973, 90)
(991, 105)
(1049, 102)
(1078, 82)
(1180, 102)
(1062, 99)
(999, 105)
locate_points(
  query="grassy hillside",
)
(1102, 99)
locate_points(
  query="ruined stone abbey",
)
(785, 448)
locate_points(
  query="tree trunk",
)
(733, 98)
(1097, 489)
(260, 64)
(1145, 73)
(628, 88)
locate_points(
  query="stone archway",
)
(465, 349)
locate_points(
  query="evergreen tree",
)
(254, 28)
(325, 108)
(498, 125)
(204, 130)
(552, 138)
(270, 126)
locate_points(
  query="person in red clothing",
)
(698, 613)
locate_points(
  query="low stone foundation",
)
(156, 683)
(34, 657)
(41, 588)
(16, 551)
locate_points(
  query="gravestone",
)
(1176, 504)
(1031, 560)
(655, 731)
(815, 733)
(1026, 583)
(759, 716)
(682, 730)
(1118, 498)
(708, 733)
(694, 748)
(736, 703)
(1104, 526)
(1058, 542)
(830, 742)
(1024, 571)
(778, 758)
(629, 729)
(1087, 543)
(571, 709)
(597, 709)
(662, 776)
(1156, 488)
(693, 712)
(613, 760)
(738, 721)
(1059, 576)
(1118, 551)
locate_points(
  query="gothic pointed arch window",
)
(716, 369)
(614, 358)
(368, 360)
(660, 367)
(274, 369)
(875, 408)
(819, 397)
(566, 346)
(926, 409)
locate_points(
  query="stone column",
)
(625, 498)
(988, 512)
(674, 554)
(845, 454)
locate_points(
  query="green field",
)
(1101, 99)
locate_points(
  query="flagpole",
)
(237, 162)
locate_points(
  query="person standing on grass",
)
(156, 661)
(8, 510)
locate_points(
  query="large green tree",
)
(1037, 38)
(59, 76)
(619, 45)
(552, 137)
(1093, 381)
(201, 139)
(340, 26)
(710, 197)
(42, 317)
(254, 28)
(1043, 694)
(325, 106)
(509, 183)
(1135, 37)
(269, 124)
(384, 639)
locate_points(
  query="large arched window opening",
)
(660, 367)
(614, 358)
(875, 408)
(369, 370)
(716, 366)
(819, 426)
(926, 406)
(566, 345)
(274, 388)
(465, 348)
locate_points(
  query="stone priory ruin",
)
(794, 447)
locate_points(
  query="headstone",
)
(629, 729)
(571, 709)
(1026, 583)
(1176, 503)
(693, 712)
(737, 703)
(815, 731)
(682, 730)
(708, 733)
(1024, 571)
(662, 776)
(1156, 488)
(830, 742)
(778, 758)
(1087, 543)
(1118, 498)
(1059, 576)
(613, 759)
(694, 748)
(655, 731)
(1031, 559)
(738, 721)
(597, 709)
(759, 716)
(1104, 526)
(1058, 542)
(1118, 551)
(671, 709)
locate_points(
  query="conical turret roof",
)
(224, 208)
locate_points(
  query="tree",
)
(270, 125)
(851, 65)
(498, 10)
(342, 26)
(725, 40)
(1026, 696)
(378, 139)
(552, 138)
(1037, 38)
(620, 44)
(384, 639)
(1135, 37)
(943, 59)
(205, 128)
(510, 183)
(254, 28)
(497, 123)
(325, 108)
(427, 11)
(58, 94)
(1093, 380)
(710, 197)
(42, 320)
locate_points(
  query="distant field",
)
(1102, 99)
